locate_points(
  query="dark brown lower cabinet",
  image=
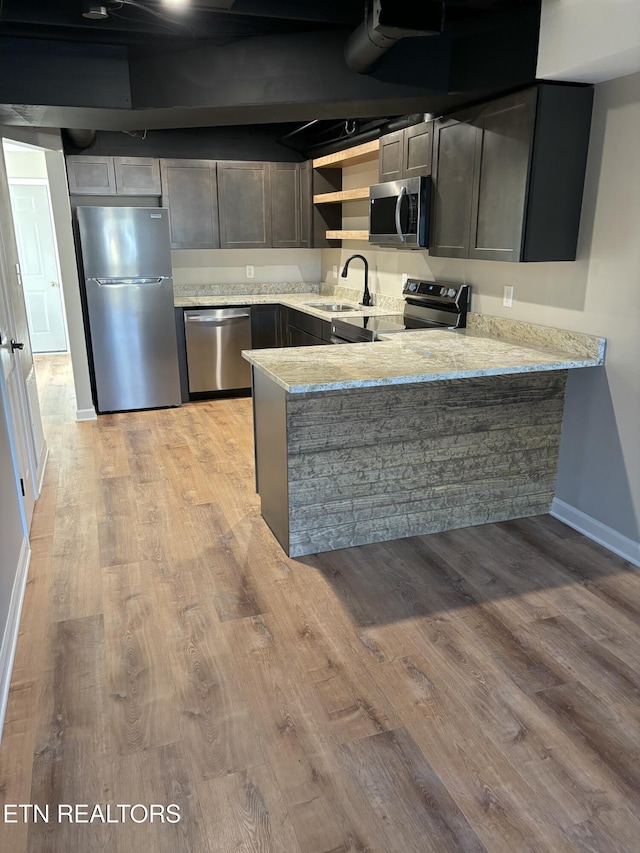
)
(266, 326)
(305, 330)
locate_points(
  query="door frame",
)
(9, 631)
(44, 182)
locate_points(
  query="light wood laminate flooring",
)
(475, 690)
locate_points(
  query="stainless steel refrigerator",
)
(129, 300)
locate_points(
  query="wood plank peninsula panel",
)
(361, 465)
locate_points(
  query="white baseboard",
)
(10, 639)
(86, 414)
(596, 530)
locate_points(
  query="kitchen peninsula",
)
(423, 432)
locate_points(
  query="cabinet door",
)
(502, 155)
(417, 147)
(189, 190)
(137, 175)
(454, 150)
(265, 326)
(306, 205)
(285, 205)
(244, 193)
(91, 175)
(391, 156)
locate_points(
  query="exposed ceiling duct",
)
(94, 11)
(385, 23)
(81, 138)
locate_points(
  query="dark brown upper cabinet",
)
(189, 190)
(509, 175)
(114, 175)
(137, 176)
(406, 153)
(453, 159)
(91, 175)
(306, 205)
(286, 203)
(244, 195)
(264, 205)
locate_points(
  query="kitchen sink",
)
(332, 307)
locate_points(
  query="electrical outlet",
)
(250, 270)
(405, 277)
(507, 298)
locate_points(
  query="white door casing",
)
(38, 264)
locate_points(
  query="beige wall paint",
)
(227, 266)
(600, 456)
(588, 40)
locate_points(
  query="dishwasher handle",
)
(217, 321)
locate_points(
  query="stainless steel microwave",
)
(399, 213)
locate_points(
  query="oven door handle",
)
(403, 192)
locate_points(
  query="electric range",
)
(428, 305)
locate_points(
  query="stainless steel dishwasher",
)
(215, 338)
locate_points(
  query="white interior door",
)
(39, 266)
(20, 432)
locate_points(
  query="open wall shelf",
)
(328, 195)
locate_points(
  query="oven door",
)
(399, 213)
(346, 333)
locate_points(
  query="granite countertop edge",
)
(515, 359)
(509, 347)
(419, 378)
(290, 300)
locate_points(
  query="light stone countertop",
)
(401, 358)
(290, 300)
(491, 347)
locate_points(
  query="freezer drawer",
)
(215, 337)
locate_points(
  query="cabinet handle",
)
(402, 193)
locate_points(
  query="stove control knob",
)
(451, 291)
(443, 291)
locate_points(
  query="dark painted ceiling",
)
(145, 66)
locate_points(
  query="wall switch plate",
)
(251, 271)
(334, 270)
(507, 298)
(405, 277)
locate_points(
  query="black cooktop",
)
(388, 323)
(428, 305)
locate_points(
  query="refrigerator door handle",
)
(124, 282)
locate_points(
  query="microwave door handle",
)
(403, 192)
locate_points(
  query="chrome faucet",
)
(366, 296)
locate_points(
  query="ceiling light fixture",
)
(94, 11)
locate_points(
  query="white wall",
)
(588, 41)
(599, 294)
